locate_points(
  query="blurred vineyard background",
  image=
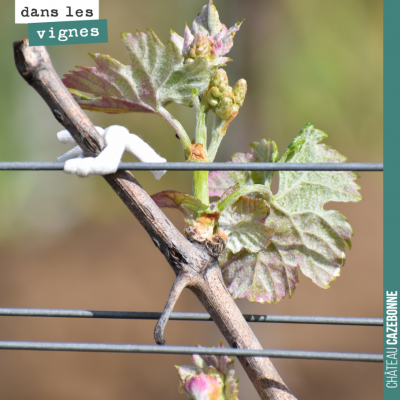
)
(70, 243)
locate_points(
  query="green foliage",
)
(270, 238)
(305, 236)
(188, 205)
(156, 76)
(244, 222)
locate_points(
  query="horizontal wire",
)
(217, 166)
(154, 349)
(178, 316)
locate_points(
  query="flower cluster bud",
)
(222, 99)
(209, 38)
(239, 90)
(200, 47)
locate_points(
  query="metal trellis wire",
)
(155, 349)
(181, 316)
(151, 349)
(129, 348)
(216, 166)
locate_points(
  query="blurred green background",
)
(312, 61)
(309, 61)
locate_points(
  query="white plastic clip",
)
(118, 140)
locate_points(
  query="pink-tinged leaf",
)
(209, 38)
(157, 75)
(177, 40)
(224, 44)
(262, 277)
(108, 104)
(242, 177)
(219, 182)
(187, 39)
(190, 206)
(111, 79)
(243, 158)
(314, 242)
(244, 223)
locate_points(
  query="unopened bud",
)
(223, 86)
(224, 109)
(239, 91)
(200, 47)
(216, 92)
(211, 378)
(220, 78)
(213, 100)
(222, 99)
(219, 85)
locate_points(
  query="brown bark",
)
(195, 266)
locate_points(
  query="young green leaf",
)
(263, 151)
(317, 237)
(244, 223)
(310, 190)
(305, 235)
(157, 75)
(228, 192)
(190, 206)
